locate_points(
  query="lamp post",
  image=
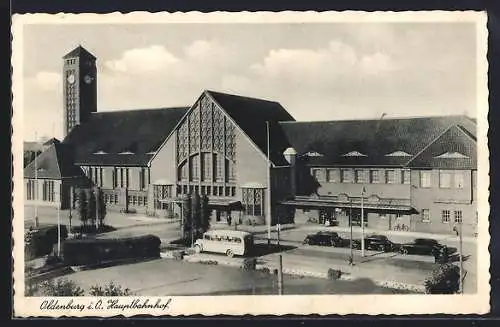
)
(362, 222)
(268, 197)
(59, 222)
(351, 261)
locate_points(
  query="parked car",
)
(374, 242)
(323, 238)
(422, 246)
(378, 243)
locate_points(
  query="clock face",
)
(71, 78)
(88, 79)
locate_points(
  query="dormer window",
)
(100, 152)
(151, 152)
(126, 152)
(313, 154)
(452, 155)
(354, 154)
(398, 154)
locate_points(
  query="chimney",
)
(291, 156)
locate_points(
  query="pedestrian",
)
(229, 220)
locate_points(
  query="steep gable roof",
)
(137, 132)
(79, 51)
(454, 149)
(252, 115)
(376, 139)
(55, 162)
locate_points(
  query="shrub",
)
(445, 279)
(334, 274)
(109, 290)
(93, 251)
(40, 241)
(60, 287)
(178, 255)
(249, 264)
(53, 260)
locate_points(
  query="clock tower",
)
(79, 87)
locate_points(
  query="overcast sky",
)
(321, 71)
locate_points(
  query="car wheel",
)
(306, 242)
(197, 248)
(381, 248)
(403, 251)
(229, 253)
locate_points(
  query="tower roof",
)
(79, 51)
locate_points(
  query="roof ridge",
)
(242, 96)
(138, 109)
(372, 119)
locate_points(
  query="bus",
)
(229, 242)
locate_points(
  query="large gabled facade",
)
(219, 149)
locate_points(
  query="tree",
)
(195, 216)
(186, 217)
(445, 279)
(91, 207)
(205, 214)
(101, 207)
(82, 207)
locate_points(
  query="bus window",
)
(236, 240)
(206, 237)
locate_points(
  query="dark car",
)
(423, 246)
(323, 238)
(374, 242)
(378, 243)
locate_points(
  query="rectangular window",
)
(390, 177)
(126, 178)
(426, 216)
(375, 176)
(140, 200)
(459, 179)
(142, 179)
(319, 174)
(115, 178)
(445, 179)
(333, 175)
(209, 190)
(425, 179)
(347, 176)
(100, 177)
(405, 176)
(233, 191)
(134, 200)
(458, 216)
(121, 177)
(361, 176)
(445, 216)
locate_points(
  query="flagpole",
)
(268, 198)
(36, 182)
(362, 223)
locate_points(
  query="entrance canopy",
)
(313, 203)
(212, 202)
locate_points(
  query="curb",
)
(296, 272)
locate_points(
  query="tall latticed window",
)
(195, 168)
(253, 201)
(207, 167)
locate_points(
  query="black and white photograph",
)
(250, 163)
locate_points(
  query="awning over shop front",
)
(338, 204)
(162, 182)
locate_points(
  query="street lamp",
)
(351, 258)
(459, 234)
(363, 191)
